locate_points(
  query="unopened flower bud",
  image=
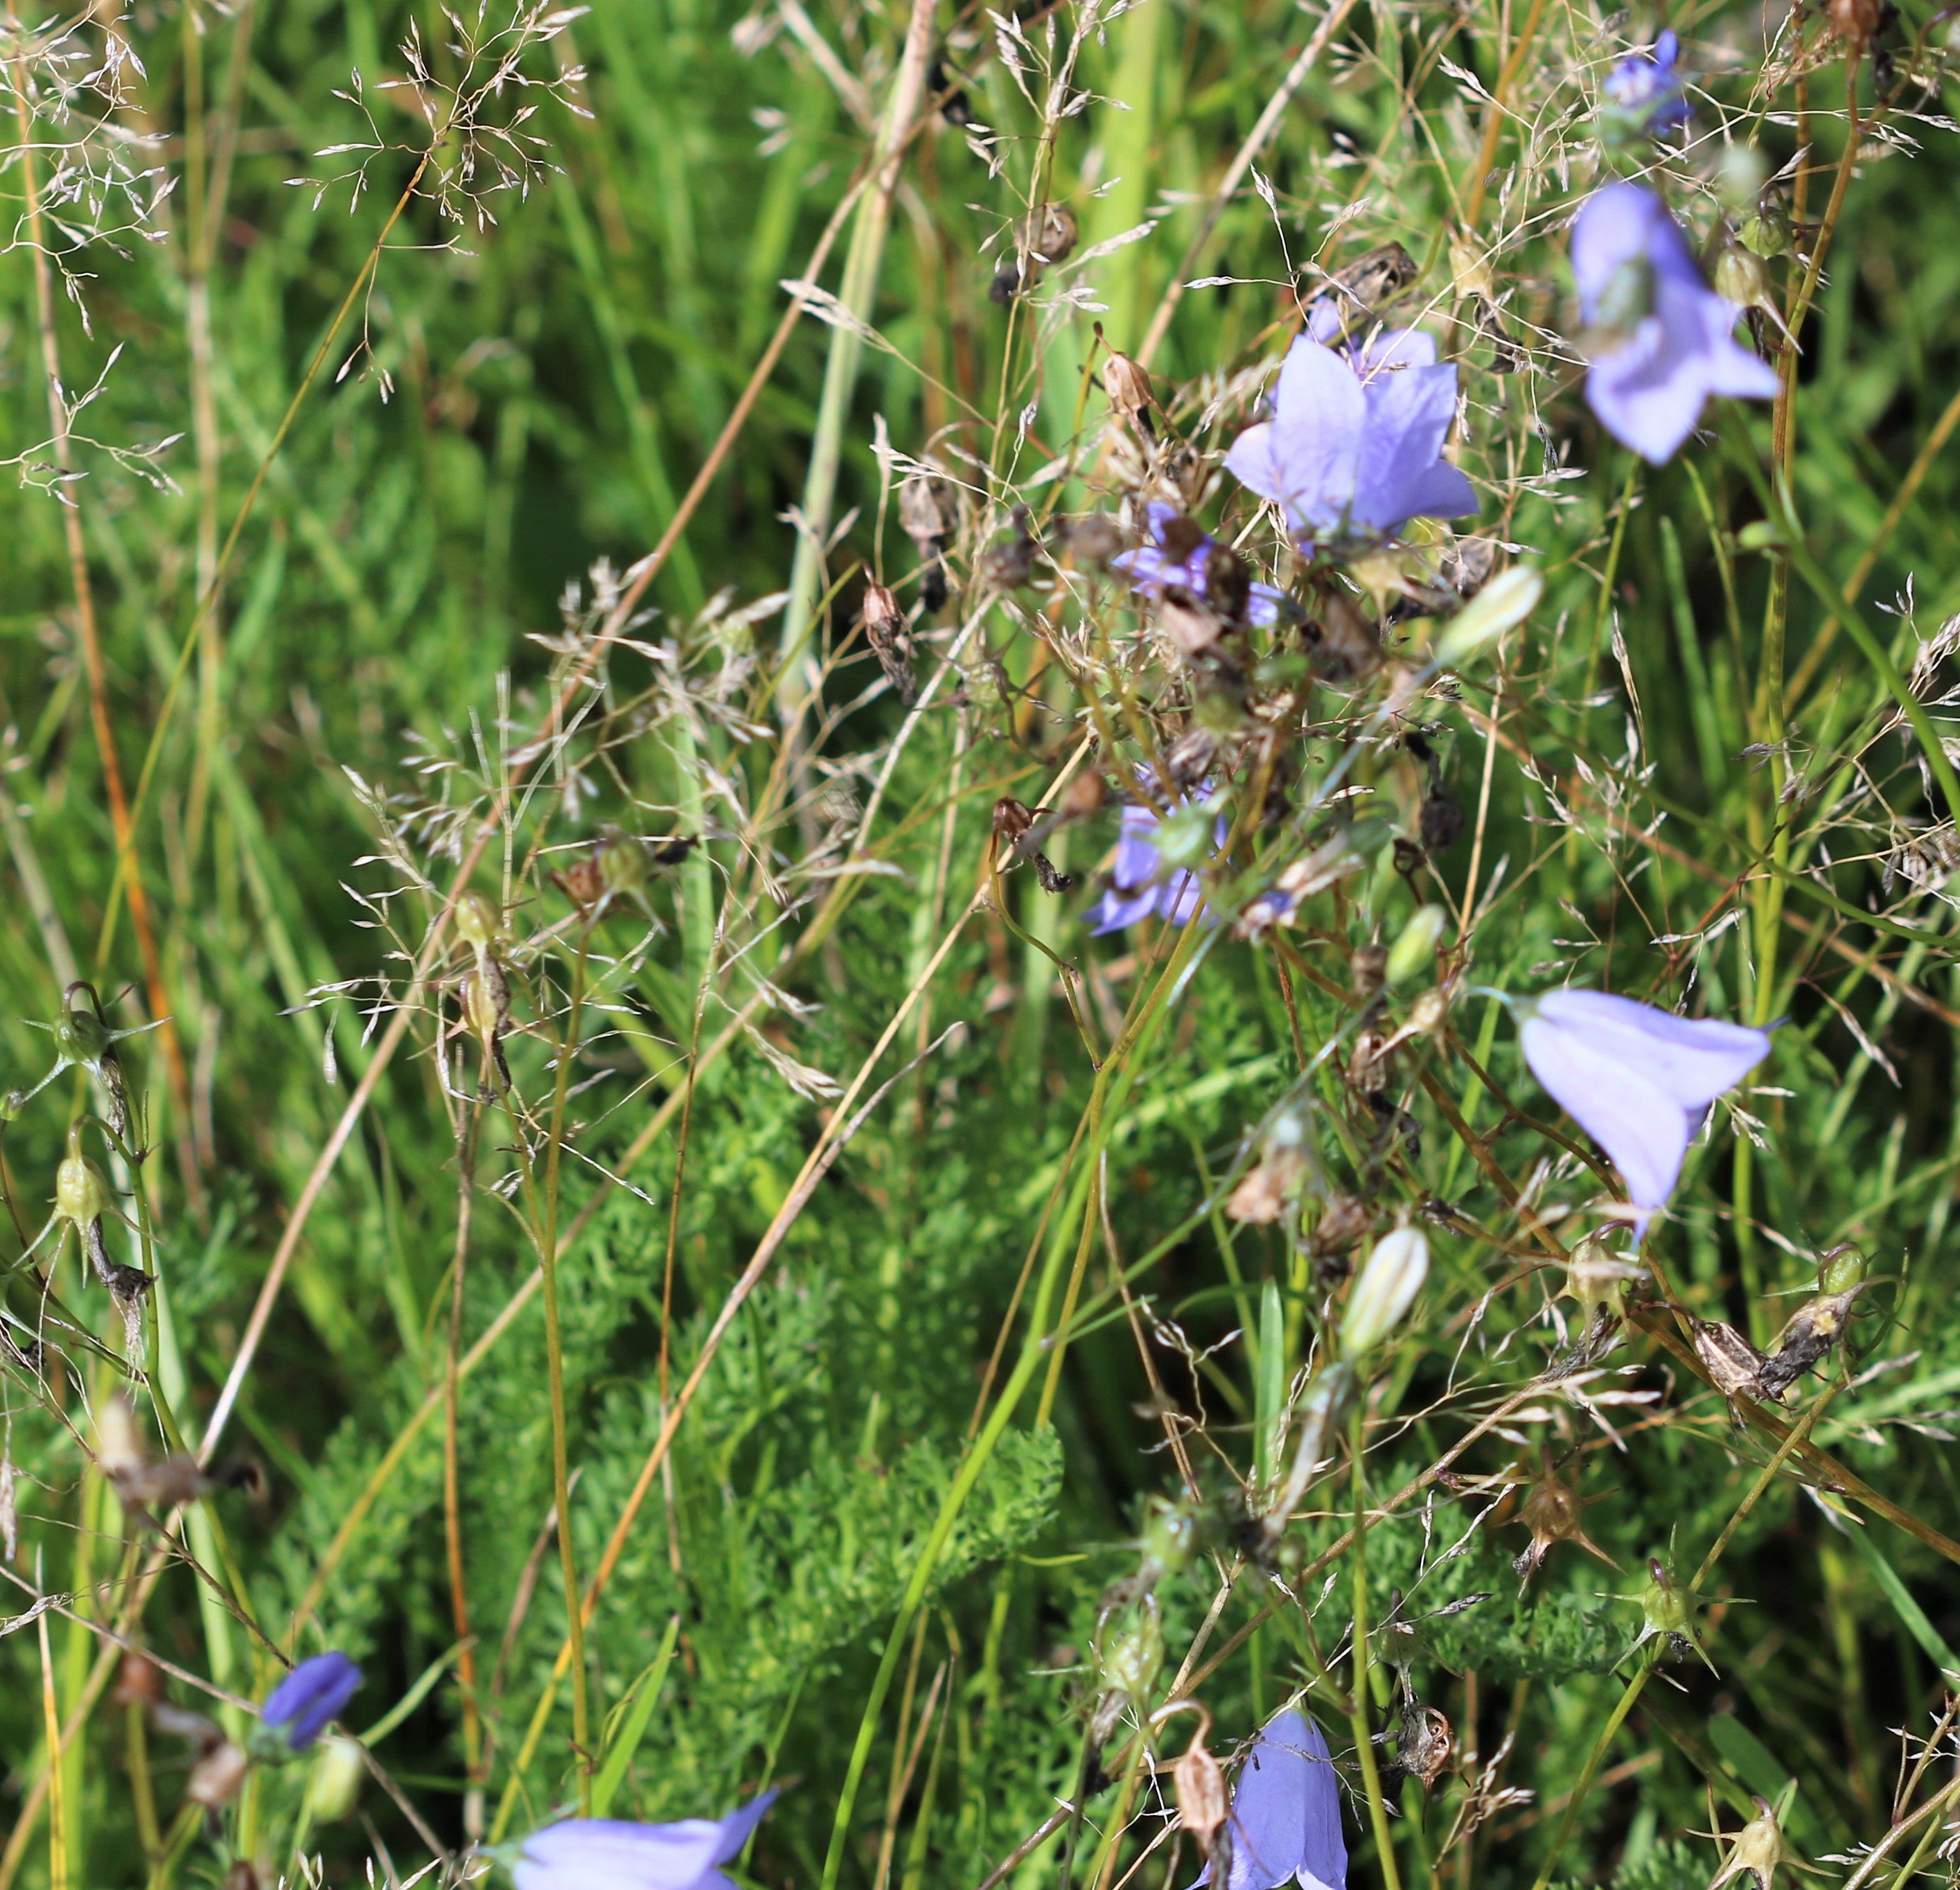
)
(81, 1190)
(1391, 1276)
(1740, 176)
(12, 1104)
(1504, 602)
(81, 1036)
(1841, 1270)
(1415, 950)
(623, 863)
(479, 924)
(334, 1788)
(1767, 233)
(1740, 278)
(119, 1445)
(1132, 1661)
(1169, 1539)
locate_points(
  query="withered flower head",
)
(1552, 1513)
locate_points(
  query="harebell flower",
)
(1285, 1820)
(1638, 1079)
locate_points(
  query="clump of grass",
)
(573, 707)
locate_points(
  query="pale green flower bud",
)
(1391, 1278)
(81, 1190)
(1740, 278)
(479, 924)
(1502, 603)
(1841, 1270)
(334, 1788)
(1416, 948)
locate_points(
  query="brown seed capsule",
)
(885, 632)
(1345, 645)
(1128, 388)
(216, 1778)
(1200, 1793)
(1423, 1749)
(1262, 1197)
(1854, 22)
(1051, 233)
(1083, 795)
(1368, 1063)
(1343, 1221)
(1228, 584)
(583, 882)
(139, 1682)
(1359, 290)
(1011, 819)
(1467, 565)
(1551, 1513)
(1735, 1366)
(1189, 621)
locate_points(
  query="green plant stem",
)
(1357, 1717)
(857, 293)
(567, 1054)
(1600, 1745)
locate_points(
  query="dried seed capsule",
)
(217, 1777)
(1440, 822)
(1008, 565)
(1092, 540)
(1200, 1793)
(1050, 233)
(1128, 388)
(885, 632)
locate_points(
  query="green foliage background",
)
(530, 395)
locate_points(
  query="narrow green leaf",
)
(638, 1709)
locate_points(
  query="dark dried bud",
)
(1441, 821)
(1368, 969)
(1735, 1366)
(1011, 819)
(954, 106)
(1083, 795)
(1228, 584)
(1008, 565)
(1189, 621)
(1344, 643)
(1467, 565)
(1343, 1221)
(1007, 283)
(1092, 540)
(928, 511)
(1423, 1749)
